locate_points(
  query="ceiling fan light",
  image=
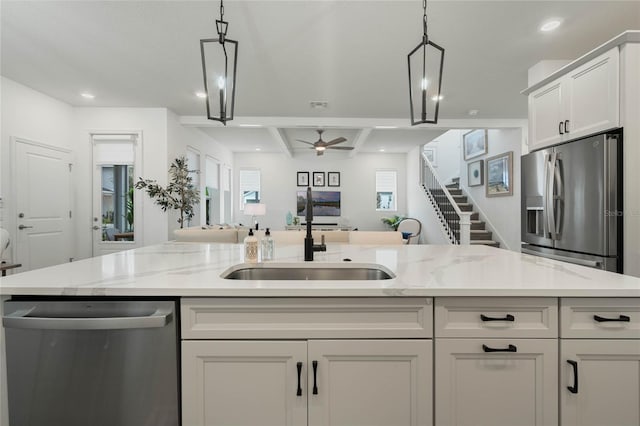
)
(320, 148)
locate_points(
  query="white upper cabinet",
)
(583, 101)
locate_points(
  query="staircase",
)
(479, 234)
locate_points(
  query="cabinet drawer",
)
(613, 318)
(303, 318)
(496, 317)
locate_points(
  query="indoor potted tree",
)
(180, 194)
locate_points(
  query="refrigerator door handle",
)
(558, 198)
(549, 201)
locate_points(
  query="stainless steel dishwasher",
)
(79, 363)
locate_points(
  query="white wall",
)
(31, 115)
(448, 155)
(152, 123)
(179, 138)
(357, 186)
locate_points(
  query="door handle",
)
(574, 388)
(299, 367)
(95, 227)
(621, 318)
(22, 319)
(560, 128)
(566, 126)
(510, 348)
(24, 227)
(315, 381)
(508, 317)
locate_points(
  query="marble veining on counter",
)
(194, 269)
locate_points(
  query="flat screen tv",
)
(325, 203)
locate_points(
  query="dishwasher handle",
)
(20, 319)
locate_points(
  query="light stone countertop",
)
(193, 269)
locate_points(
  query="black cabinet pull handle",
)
(299, 366)
(315, 381)
(566, 126)
(510, 348)
(509, 317)
(560, 128)
(621, 318)
(574, 388)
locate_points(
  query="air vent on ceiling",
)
(319, 104)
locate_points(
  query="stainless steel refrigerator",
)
(572, 202)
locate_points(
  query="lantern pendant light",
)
(219, 58)
(425, 77)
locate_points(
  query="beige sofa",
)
(237, 235)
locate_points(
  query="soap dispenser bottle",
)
(268, 246)
(251, 248)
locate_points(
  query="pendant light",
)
(425, 77)
(219, 58)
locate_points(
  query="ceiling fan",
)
(320, 146)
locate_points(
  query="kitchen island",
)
(459, 335)
(191, 269)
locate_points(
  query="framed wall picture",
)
(431, 155)
(500, 175)
(318, 178)
(474, 143)
(303, 179)
(333, 178)
(475, 173)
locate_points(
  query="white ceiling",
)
(351, 54)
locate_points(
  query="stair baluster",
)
(457, 224)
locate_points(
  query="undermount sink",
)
(297, 271)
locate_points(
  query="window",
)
(226, 194)
(249, 187)
(114, 157)
(193, 163)
(212, 196)
(386, 190)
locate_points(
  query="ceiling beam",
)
(280, 138)
(362, 136)
(355, 123)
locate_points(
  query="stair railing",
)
(457, 223)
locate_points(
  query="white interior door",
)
(43, 205)
(116, 204)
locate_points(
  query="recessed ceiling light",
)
(381, 150)
(258, 149)
(437, 98)
(386, 127)
(550, 25)
(87, 95)
(473, 112)
(201, 95)
(249, 125)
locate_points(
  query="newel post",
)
(465, 228)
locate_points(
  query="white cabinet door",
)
(370, 383)
(608, 383)
(546, 113)
(593, 96)
(243, 383)
(475, 387)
